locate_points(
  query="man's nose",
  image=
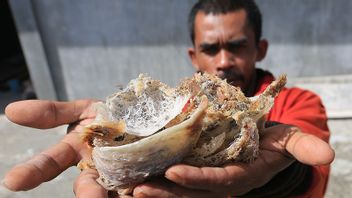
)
(225, 60)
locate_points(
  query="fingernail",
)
(170, 175)
(138, 191)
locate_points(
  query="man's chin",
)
(236, 83)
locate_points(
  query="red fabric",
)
(305, 110)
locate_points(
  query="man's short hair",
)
(254, 16)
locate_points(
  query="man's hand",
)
(68, 152)
(279, 147)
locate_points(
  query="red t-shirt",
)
(305, 110)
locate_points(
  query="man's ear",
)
(262, 49)
(192, 56)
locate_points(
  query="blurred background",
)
(67, 50)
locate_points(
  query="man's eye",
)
(233, 48)
(210, 50)
(236, 47)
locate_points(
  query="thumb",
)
(309, 149)
(45, 114)
(87, 186)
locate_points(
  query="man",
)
(227, 42)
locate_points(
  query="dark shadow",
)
(14, 77)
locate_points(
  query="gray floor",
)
(20, 143)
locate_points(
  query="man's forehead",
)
(230, 26)
(237, 17)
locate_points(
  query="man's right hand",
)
(56, 159)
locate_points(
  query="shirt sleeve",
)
(305, 110)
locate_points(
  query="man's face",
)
(225, 46)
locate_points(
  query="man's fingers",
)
(197, 178)
(165, 188)
(238, 178)
(216, 179)
(41, 168)
(46, 114)
(309, 149)
(86, 185)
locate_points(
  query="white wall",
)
(91, 46)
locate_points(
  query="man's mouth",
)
(233, 77)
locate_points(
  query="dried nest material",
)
(143, 129)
